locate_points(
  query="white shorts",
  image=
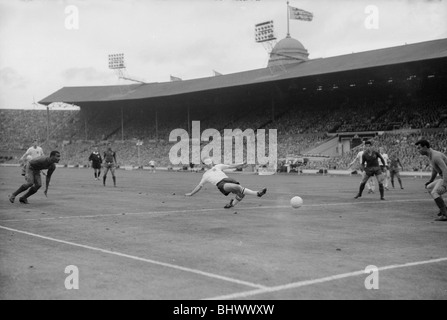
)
(438, 187)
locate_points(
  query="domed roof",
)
(289, 43)
(286, 51)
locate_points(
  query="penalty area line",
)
(305, 283)
(154, 262)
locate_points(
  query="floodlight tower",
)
(116, 62)
(265, 34)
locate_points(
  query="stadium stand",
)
(75, 137)
(310, 103)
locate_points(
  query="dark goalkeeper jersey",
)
(372, 159)
(42, 163)
(109, 156)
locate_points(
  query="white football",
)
(296, 202)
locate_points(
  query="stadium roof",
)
(356, 61)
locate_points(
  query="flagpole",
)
(288, 16)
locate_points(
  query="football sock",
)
(30, 192)
(250, 192)
(19, 190)
(382, 191)
(441, 205)
(362, 187)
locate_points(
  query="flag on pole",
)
(299, 14)
(175, 78)
(216, 73)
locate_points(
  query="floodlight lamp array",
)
(116, 61)
(264, 32)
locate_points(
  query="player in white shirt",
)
(33, 152)
(385, 169)
(226, 185)
(152, 166)
(370, 184)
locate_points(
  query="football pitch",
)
(145, 240)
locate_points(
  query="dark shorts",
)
(96, 165)
(109, 165)
(33, 176)
(373, 171)
(221, 183)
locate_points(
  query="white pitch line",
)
(321, 280)
(211, 209)
(364, 202)
(168, 265)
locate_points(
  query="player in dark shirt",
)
(33, 179)
(96, 159)
(109, 164)
(394, 169)
(371, 158)
(437, 188)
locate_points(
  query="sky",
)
(49, 44)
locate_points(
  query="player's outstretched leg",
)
(31, 191)
(262, 192)
(240, 193)
(259, 193)
(21, 189)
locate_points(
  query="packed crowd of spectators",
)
(298, 144)
(300, 128)
(402, 145)
(362, 116)
(20, 127)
